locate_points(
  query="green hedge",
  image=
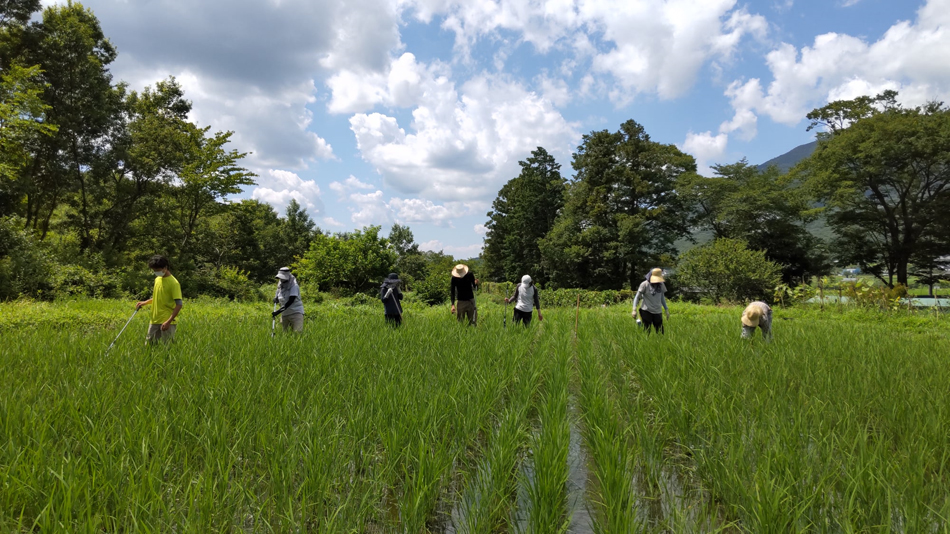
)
(563, 298)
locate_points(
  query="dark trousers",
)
(522, 317)
(652, 319)
(393, 320)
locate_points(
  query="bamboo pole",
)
(577, 314)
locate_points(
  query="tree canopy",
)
(883, 172)
(522, 214)
(622, 213)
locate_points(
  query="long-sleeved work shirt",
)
(463, 288)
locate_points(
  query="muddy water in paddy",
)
(671, 502)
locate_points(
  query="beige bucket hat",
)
(656, 276)
(751, 316)
(460, 270)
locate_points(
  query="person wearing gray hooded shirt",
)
(652, 292)
(288, 297)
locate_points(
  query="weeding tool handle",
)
(123, 329)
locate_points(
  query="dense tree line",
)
(95, 177)
(879, 180)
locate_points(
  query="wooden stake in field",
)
(821, 294)
(577, 314)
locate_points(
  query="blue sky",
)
(417, 111)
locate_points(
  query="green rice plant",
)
(837, 425)
(546, 484)
(605, 435)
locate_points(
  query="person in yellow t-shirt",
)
(166, 302)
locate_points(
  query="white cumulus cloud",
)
(463, 144)
(911, 57)
(706, 148)
(277, 187)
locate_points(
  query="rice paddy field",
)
(841, 424)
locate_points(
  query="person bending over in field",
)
(463, 285)
(390, 294)
(288, 297)
(653, 293)
(757, 314)
(166, 302)
(526, 296)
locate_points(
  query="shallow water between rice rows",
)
(838, 425)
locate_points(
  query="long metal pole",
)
(273, 322)
(123, 330)
(505, 320)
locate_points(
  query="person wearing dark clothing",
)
(463, 287)
(526, 297)
(391, 294)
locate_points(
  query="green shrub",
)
(78, 281)
(227, 282)
(25, 267)
(727, 270)
(563, 298)
(434, 289)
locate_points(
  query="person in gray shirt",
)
(288, 297)
(653, 293)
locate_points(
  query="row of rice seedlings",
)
(228, 428)
(668, 496)
(830, 429)
(606, 438)
(485, 503)
(545, 479)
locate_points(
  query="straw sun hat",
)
(752, 315)
(460, 270)
(656, 276)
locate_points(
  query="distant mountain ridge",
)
(789, 159)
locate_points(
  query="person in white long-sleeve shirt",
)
(653, 294)
(526, 296)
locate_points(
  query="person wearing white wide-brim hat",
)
(652, 291)
(463, 288)
(757, 315)
(288, 297)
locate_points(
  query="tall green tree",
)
(155, 150)
(884, 173)
(209, 175)
(22, 122)
(74, 54)
(17, 12)
(766, 209)
(522, 214)
(411, 265)
(622, 213)
(402, 240)
(245, 235)
(297, 231)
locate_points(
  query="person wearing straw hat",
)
(653, 293)
(757, 314)
(390, 294)
(525, 297)
(288, 297)
(463, 287)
